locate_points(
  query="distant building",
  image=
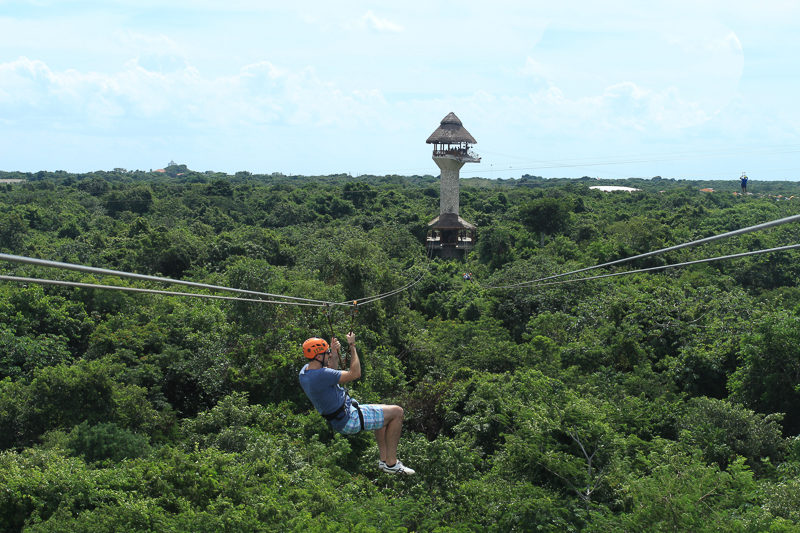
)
(614, 188)
(449, 235)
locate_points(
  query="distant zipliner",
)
(743, 179)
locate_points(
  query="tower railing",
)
(451, 151)
(464, 153)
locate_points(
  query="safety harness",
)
(342, 411)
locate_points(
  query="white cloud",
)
(627, 104)
(623, 110)
(156, 52)
(731, 42)
(707, 37)
(257, 94)
(371, 21)
(535, 69)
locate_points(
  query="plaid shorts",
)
(373, 419)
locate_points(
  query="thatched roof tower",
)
(449, 235)
(451, 131)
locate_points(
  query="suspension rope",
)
(330, 322)
(786, 220)
(370, 299)
(107, 272)
(353, 313)
(675, 265)
(148, 291)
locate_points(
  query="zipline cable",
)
(376, 297)
(765, 225)
(20, 279)
(370, 299)
(363, 301)
(675, 265)
(120, 273)
(148, 291)
(144, 277)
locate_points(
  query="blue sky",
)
(681, 89)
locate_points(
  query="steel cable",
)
(374, 298)
(143, 277)
(786, 220)
(663, 267)
(41, 281)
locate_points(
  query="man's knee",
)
(393, 412)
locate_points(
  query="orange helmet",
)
(314, 346)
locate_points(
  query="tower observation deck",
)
(449, 235)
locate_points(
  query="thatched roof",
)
(449, 221)
(451, 131)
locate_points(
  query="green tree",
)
(545, 216)
(12, 231)
(769, 371)
(106, 441)
(724, 432)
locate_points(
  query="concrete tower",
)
(449, 235)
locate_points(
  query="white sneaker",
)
(381, 464)
(398, 468)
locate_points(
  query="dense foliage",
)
(665, 401)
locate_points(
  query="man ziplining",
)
(322, 383)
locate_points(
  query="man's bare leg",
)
(389, 435)
(380, 436)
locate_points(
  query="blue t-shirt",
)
(322, 388)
